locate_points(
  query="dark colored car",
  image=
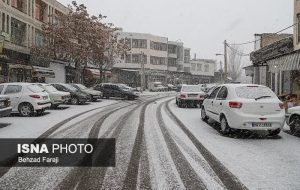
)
(93, 94)
(5, 108)
(114, 90)
(77, 97)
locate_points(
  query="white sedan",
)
(294, 120)
(189, 95)
(26, 98)
(242, 106)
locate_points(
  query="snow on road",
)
(260, 163)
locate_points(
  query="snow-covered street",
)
(158, 146)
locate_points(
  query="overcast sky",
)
(202, 25)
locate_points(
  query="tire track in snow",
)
(189, 177)
(229, 180)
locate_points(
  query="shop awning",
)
(19, 66)
(43, 72)
(94, 72)
(285, 63)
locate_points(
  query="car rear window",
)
(191, 89)
(252, 92)
(35, 88)
(51, 88)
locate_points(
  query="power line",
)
(237, 51)
(250, 42)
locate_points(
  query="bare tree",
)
(235, 64)
(78, 38)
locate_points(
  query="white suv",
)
(26, 98)
(242, 106)
(294, 120)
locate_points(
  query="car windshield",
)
(70, 87)
(50, 88)
(254, 92)
(81, 87)
(35, 88)
(191, 89)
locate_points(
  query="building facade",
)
(165, 61)
(202, 70)
(20, 29)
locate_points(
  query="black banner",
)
(57, 152)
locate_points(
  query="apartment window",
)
(186, 56)
(193, 67)
(139, 43)
(18, 32)
(128, 42)
(172, 49)
(206, 68)
(7, 23)
(158, 46)
(172, 61)
(187, 69)
(298, 33)
(3, 22)
(128, 58)
(199, 67)
(136, 58)
(157, 60)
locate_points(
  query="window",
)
(187, 69)
(158, 46)
(157, 60)
(3, 22)
(128, 58)
(172, 49)
(1, 88)
(35, 88)
(206, 68)
(214, 93)
(187, 56)
(172, 61)
(139, 43)
(298, 33)
(128, 42)
(199, 67)
(13, 89)
(223, 93)
(135, 58)
(193, 67)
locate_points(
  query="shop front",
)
(40, 74)
(19, 73)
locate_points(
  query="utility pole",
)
(142, 72)
(225, 61)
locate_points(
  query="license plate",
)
(192, 95)
(261, 124)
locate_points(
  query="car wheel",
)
(295, 125)
(40, 112)
(74, 101)
(26, 109)
(180, 104)
(274, 132)
(225, 129)
(176, 101)
(94, 99)
(204, 117)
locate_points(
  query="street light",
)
(142, 72)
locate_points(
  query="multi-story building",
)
(163, 60)
(20, 28)
(202, 70)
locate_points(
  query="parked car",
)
(77, 97)
(171, 87)
(134, 90)
(26, 98)
(114, 90)
(242, 106)
(5, 108)
(189, 95)
(157, 87)
(56, 97)
(294, 120)
(94, 94)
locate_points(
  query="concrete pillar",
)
(0, 21)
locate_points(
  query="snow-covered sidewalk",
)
(33, 127)
(260, 163)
